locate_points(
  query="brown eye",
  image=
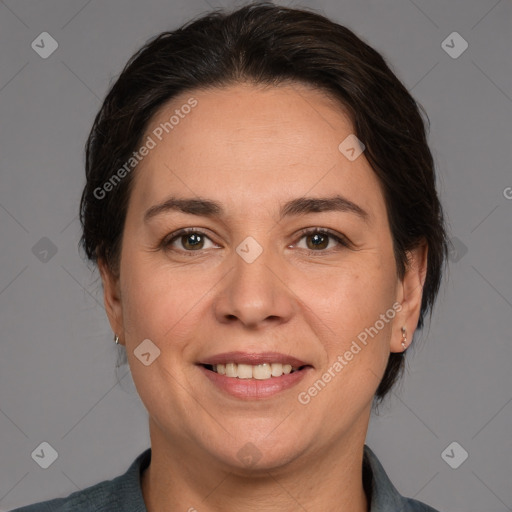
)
(186, 240)
(318, 240)
(192, 241)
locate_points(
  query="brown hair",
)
(267, 44)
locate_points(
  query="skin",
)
(252, 149)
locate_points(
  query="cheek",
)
(159, 305)
(357, 308)
(352, 297)
(160, 301)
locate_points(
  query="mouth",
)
(262, 371)
(254, 375)
(262, 367)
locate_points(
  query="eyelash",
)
(342, 241)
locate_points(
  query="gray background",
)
(58, 381)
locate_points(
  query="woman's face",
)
(251, 284)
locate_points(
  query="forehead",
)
(253, 144)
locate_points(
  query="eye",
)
(191, 240)
(318, 239)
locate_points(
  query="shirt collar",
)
(381, 493)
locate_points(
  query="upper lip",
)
(253, 359)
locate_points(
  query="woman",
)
(261, 205)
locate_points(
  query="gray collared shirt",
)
(124, 494)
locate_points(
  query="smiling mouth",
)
(262, 371)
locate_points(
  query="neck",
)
(178, 478)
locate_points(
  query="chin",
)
(251, 457)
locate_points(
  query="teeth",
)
(247, 371)
(261, 371)
(277, 369)
(231, 370)
(244, 371)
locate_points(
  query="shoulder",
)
(120, 494)
(82, 501)
(384, 497)
(410, 505)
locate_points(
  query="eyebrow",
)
(295, 207)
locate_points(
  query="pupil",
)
(317, 237)
(192, 237)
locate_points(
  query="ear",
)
(410, 294)
(112, 299)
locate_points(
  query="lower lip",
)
(255, 388)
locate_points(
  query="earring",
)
(116, 339)
(404, 338)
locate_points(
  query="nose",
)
(255, 294)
